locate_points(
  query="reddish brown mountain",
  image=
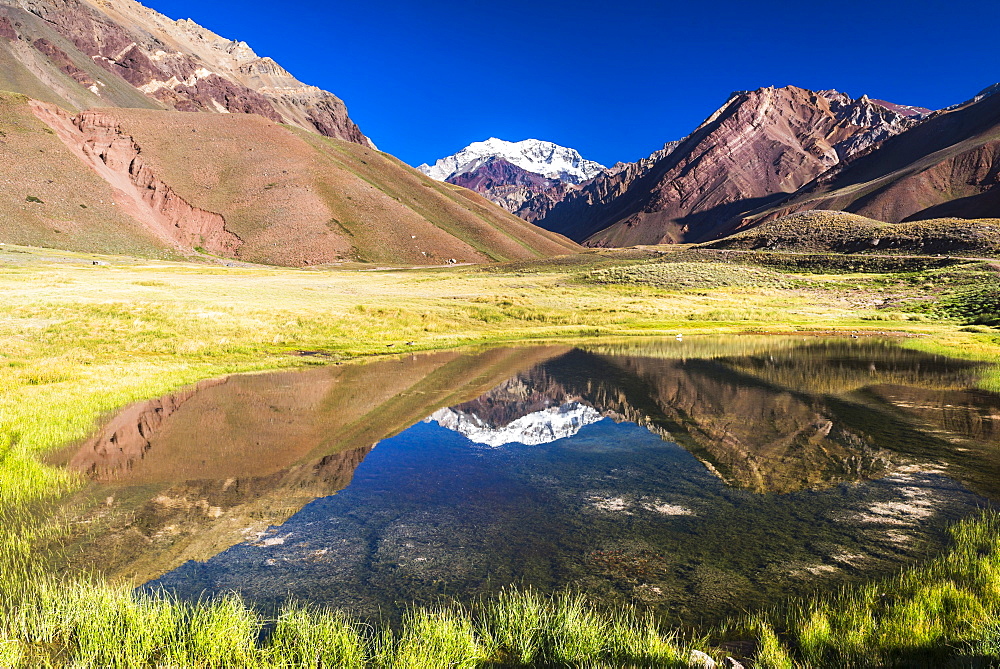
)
(81, 54)
(758, 147)
(948, 166)
(173, 184)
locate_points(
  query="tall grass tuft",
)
(634, 640)
(514, 622)
(218, 633)
(576, 632)
(11, 653)
(927, 615)
(771, 654)
(307, 637)
(439, 637)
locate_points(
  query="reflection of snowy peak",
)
(540, 427)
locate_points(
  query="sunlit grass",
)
(929, 615)
(310, 637)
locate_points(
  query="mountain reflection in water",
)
(687, 476)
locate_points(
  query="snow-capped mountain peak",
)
(532, 155)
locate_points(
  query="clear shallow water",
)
(692, 478)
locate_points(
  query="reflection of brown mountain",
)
(750, 434)
(186, 476)
(964, 426)
(771, 422)
(839, 366)
(966, 415)
(759, 421)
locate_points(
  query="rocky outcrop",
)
(61, 59)
(177, 64)
(7, 30)
(759, 146)
(97, 139)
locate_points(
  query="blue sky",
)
(614, 80)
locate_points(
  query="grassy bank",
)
(79, 340)
(943, 613)
(97, 625)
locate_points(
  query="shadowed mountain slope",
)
(948, 166)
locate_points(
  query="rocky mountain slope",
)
(168, 184)
(756, 148)
(511, 173)
(948, 166)
(80, 54)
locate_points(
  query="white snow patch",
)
(536, 156)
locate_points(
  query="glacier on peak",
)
(540, 427)
(532, 155)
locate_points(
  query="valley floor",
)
(82, 335)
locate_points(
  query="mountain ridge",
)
(755, 147)
(80, 54)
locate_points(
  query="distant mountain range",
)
(512, 173)
(765, 154)
(100, 153)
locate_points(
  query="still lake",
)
(694, 478)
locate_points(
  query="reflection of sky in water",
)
(613, 510)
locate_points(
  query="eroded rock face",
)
(62, 60)
(96, 137)
(7, 30)
(177, 64)
(758, 146)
